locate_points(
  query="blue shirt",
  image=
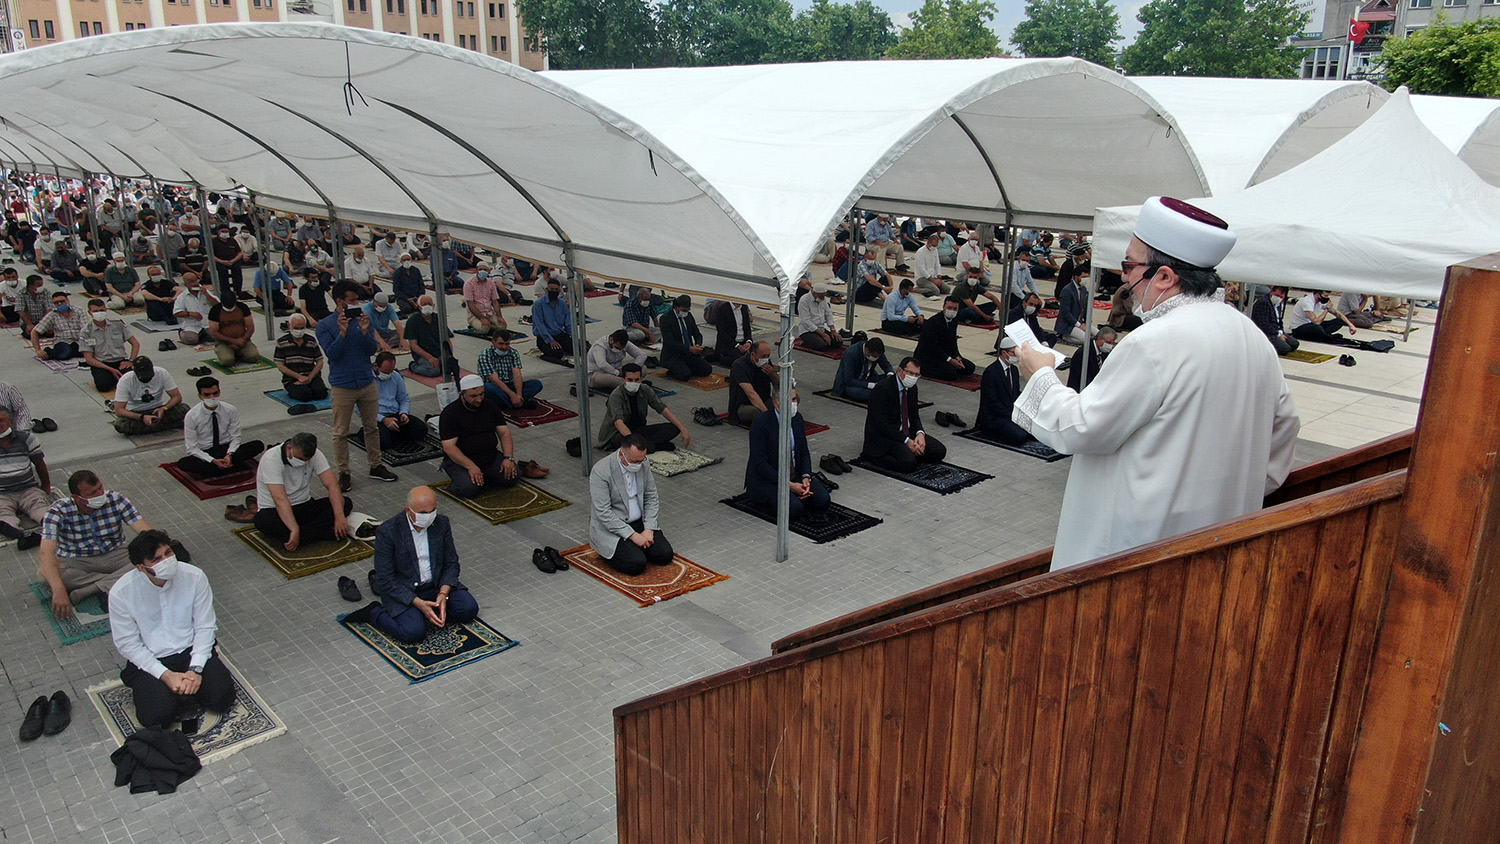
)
(382, 321)
(349, 355)
(281, 280)
(548, 318)
(896, 306)
(637, 314)
(878, 229)
(394, 400)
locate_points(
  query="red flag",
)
(1357, 30)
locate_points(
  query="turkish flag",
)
(1357, 30)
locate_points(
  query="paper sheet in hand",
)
(1020, 332)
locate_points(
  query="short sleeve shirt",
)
(140, 396)
(274, 469)
(80, 534)
(474, 430)
(504, 364)
(109, 342)
(17, 472)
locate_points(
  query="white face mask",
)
(792, 407)
(99, 316)
(762, 361)
(403, 263)
(97, 501)
(296, 462)
(632, 467)
(1106, 348)
(302, 333)
(384, 376)
(5, 433)
(119, 262)
(909, 381)
(165, 568)
(379, 308)
(211, 404)
(632, 386)
(950, 314)
(423, 520)
(428, 310)
(1030, 309)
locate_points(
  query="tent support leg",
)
(580, 358)
(784, 446)
(853, 283)
(219, 279)
(124, 225)
(267, 293)
(439, 299)
(336, 240)
(1411, 309)
(88, 182)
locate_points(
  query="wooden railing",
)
(1203, 688)
(1366, 461)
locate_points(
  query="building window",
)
(504, 47)
(471, 10)
(494, 43)
(129, 27)
(47, 27)
(1322, 63)
(1455, 2)
(1421, 4)
(98, 28)
(36, 30)
(83, 29)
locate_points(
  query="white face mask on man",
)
(632, 386)
(165, 568)
(423, 520)
(428, 310)
(908, 381)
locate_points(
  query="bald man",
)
(415, 578)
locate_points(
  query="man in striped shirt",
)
(300, 359)
(24, 481)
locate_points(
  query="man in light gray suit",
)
(623, 522)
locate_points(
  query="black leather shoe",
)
(59, 714)
(941, 417)
(349, 590)
(558, 561)
(540, 560)
(830, 464)
(843, 464)
(370, 579)
(29, 540)
(957, 422)
(35, 720)
(345, 482)
(363, 613)
(823, 479)
(574, 447)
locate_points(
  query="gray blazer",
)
(607, 518)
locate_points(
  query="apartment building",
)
(1329, 53)
(491, 28)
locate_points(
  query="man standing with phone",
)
(348, 340)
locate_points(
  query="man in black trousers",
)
(894, 437)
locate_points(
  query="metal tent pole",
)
(336, 239)
(1088, 326)
(580, 357)
(203, 240)
(1411, 309)
(440, 300)
(124, 222)
(852, 284)
(268, 298)
(784, 445)
(88, 184)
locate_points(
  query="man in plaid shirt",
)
(83, 541)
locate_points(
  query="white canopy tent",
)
(1326, 223)
(1245, 131)
(1469, 126)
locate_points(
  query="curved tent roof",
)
(1470, 126)
(1248, 130)
(385, 129)
(1324, 223)
(793, 147)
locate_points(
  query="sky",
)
(1010, 13)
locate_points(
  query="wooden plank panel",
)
(1056, 646)
(914, 735)
(674, 767)
(874, 756)
(1119, 679)
(1020, 713)
(1192, 675)
(822, 764)
(939, 730)
(1245, 583)
(850, 710)
(1270, 686)
(703, 775)
(782, 710)
(748, 705)
(808, 770)
(1164, 596)
(895, 690)
(1320, 655)
(965, 729)
(626, 803)
(653, 762)
(1080, 730)
(994, 686)
(1359, 655)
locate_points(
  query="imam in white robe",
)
(1189, 422)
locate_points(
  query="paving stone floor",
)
(518, 747)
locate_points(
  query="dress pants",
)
(494, 475)
(93, 573)
(631, 559)
(659, 436)
(942, 370)
(229, 355)
(157, 706)
(1314, 332)
(816, 503)
(160, 312)
(344, 400)
(414, 430)
(32, 502)
(105, 380)
(410, 626)
(689, 366)
(1283, 347)
(529, 388)
(814, 341)
(171, 420)
(904, 328)
(314, 517)
(930, 286)
(314, 390)
(548, 352)
(901, 459)
(199, 467)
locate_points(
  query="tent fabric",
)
(1327, 224)
(794, 147)
(1247, 130)
(495, 154)
(1469, 126)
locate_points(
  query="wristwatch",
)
(196, 669)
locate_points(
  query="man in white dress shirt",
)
(929, 268)
(211, 434)
(1190, 423)
(161, 615)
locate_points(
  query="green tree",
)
(949, 29)
(1087, 29)
(827, 31)
(1216, 38)
(579, 34)
(725, 32)
(1455, 61)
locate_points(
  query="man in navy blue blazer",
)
(416, 572)
(761, 476)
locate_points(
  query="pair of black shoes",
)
(47, 716)
(945, 419)
(549, 560)
(165, 346)
(706, 417)
(834, 465)
(1347, 360)
(198, 371)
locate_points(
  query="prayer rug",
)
(206, 488)
(652, 586)
(968, 382)
(283, 397)
(544, 412)
(1047, 313)
(507, 504)
(310, 557)
(708, 383)
(828, 394)
(912, 338)
(1035, 449)
(668, 463)
(831, 354)
(153, 327)
(808, 428)
(57, 365)
(599, 293)
(88, 620)
(402, 454)
(431, 380)
(243, 367)
(247, 723)
(442, 650)
(1394, 327)
(836, 522)
(991, 326)
(942, 478)
(565, 360)
(515, 336)
(1306, 356)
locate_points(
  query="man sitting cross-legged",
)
(625, 414)
(416, 572)
(147, 400)
(211, 435)
(762, 479)
(287, 511)
(477, 447)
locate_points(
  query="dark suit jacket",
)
(1075, 369)
(673, 343)
(883, 418)
(396, 574)
(852, 366)
(996, 399)
(938, 340)
(760, 471)
(726, 324)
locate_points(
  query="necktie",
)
(906, 412)
(1015, 381)
(215, 418)
(682, 326)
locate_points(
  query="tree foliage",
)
(579, 34)
(1083, 28)
(949, 29)
(725, 32)
(1455, 61)
(1216, 38)
(827, 31)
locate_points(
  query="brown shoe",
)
(533, 469)
(236, 513)
(346, 483)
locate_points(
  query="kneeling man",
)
(761, 475)
(623, 520)
(286, 510)
(416, 572)
(161, 615)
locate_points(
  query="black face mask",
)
(552, 294)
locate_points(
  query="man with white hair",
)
(815, 326)
(358, 268)
(191, 309)
(1148, 435)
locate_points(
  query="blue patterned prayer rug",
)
(444, 649)
(1030, 449)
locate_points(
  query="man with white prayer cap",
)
(1190, 424)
